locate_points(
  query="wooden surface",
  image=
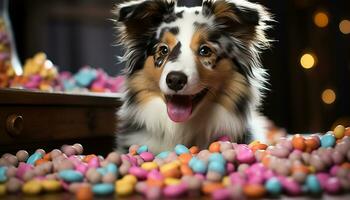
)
(49, 118)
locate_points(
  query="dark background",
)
(74, 33)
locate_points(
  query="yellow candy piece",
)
(129, 179)
(32, 187)
(169, 166)
(255, 142)
(2, 189)
(51, 185)
(124, 189)
(39, 58)
(172, 181)
(339, 131)
(226, 181)
(149, 166)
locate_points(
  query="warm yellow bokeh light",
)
(321, 19)
(328, 96)
(307, 61)
(344, 26)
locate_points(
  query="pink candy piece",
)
(334, 169)
(155, 175)
(153, 193)
(237, 178)
(82, 168)
(269, 174)
(230, 168)
(94, 163)
(245, 154)
(292, 187)
(333, 185)
(138, 172)
(175, 190)
(222, 194)
(133, 160)
(22, 169)
(322, 179)
(256, 179)
(147, 156)
(200, 176)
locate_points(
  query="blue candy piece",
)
(112, 168)
(217, 167)
(327, 140)
(313, 184)
(192, 161)
(71, 175)
(103, 171)
(181, 149)
(3, 176)
(163, 154)
(85, 77)
(273, 186)
(199, 166)
(34, 157)
(69, 85)
(217, 157)
(141, 149)
(103, 189)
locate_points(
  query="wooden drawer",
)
(28, 118)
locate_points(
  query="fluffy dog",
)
(193, 74)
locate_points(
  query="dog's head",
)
(189, 56)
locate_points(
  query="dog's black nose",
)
(176, 80)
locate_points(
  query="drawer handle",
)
(14, 124)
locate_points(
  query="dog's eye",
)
(164, 50)
(204, 51)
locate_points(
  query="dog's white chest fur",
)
(159, 133)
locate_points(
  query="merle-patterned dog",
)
(193, 74)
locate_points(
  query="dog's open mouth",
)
(180, 107)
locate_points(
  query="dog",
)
(193, 74)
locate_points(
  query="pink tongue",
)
(179, 108)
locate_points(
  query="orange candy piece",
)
(254, 190)
(347, 131)
(84, 193)
(208, 188)
(214, 147)
(186, 170)
(47, 156)
(298, 142)
(88, 158)
(194, 150)
(154, 182)
(311, 144)
(40, 161)
(172, 173)
(185, 158)
(258, 146)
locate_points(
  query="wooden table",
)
(31, 120)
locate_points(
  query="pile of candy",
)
(299, 165)
(40, 74)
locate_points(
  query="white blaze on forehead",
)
(185, 61)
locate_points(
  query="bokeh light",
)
(308, 60)
(321, 19)
(328, 96)
(344, 26)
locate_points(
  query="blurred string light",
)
(344, 26)
(321, 19)
(308, 60)
(328, 96)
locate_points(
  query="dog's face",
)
(191, 56)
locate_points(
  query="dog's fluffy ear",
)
(240, 18)
(136, 23)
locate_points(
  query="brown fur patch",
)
(146, 81)
(226, 86)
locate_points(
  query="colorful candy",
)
(294, 166)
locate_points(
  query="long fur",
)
(233, 76)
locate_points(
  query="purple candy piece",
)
(237, 178)
(230, 167)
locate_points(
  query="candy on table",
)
(295, 166)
